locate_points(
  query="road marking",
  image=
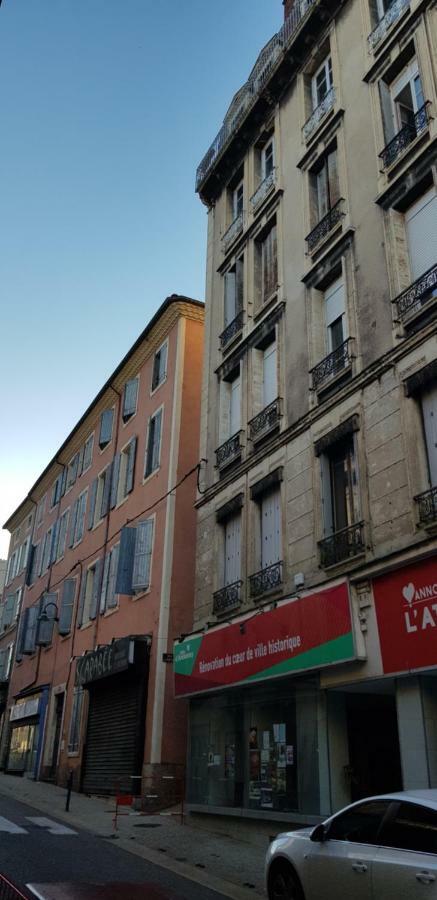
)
(52, 827)
(6, 825)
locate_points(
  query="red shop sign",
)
(300, 634)
(406, 612)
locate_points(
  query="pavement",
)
(221, 863)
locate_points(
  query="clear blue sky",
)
(106, 108)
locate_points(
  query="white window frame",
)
(326, 67)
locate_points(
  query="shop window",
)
(76, 720)
(234, 291)
(67, 605)
(153, 444)
(266, 265)
(230, 405)
(130, 395)
(160, 366)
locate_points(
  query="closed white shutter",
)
(421, 225)
(270, 529)
(232, 550)
(235, 406)
(429, 407)
(270, 381)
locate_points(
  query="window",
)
(401, 99)
(325, 186)
(46, 619)
(46, 556)
(270, 377)
(267, 159)
(429, 412)
(339, 486)
(234, 288)
(135, 556)
(88, 453)
(76, 720)
(106, 422)
(77, 519)
(108, 599)
(7, 611)
(321, 82)
(335, 319)
(89, 594)
(103, 494)
(421, 229)
(266, 265)
(35, 562)
(62, 534)
(24, 554)
(40, 511)
(153, 450)
(123, 473)
(5, 662)
(29, 629)
(130, 399)
(270, 528)
(230, 406)
(359, 824)
(412, 828)
(237, 201)
(72, 470)
(57, 491)
(67, 605)
(232, 550)
(160, 366)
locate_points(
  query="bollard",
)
(69, 788)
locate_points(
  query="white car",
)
(381, 848)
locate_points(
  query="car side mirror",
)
(319, 833)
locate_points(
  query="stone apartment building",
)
(102, 558)
(311, 668)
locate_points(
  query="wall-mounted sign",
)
(300, 634)
(406, 612)
(108, 660)
(25, 709)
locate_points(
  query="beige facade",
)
(319, 422)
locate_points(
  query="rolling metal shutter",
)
(115, 735)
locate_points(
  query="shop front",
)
(26, 724)
(115, 677)
(258, 742)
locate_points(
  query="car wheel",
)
(283, 884)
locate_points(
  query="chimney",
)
(287, 7)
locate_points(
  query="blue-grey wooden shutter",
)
(123, 581)
(64, 480)
(82, 598)
(130, 470)
(2, 609)
(3, 665)
(104, 583)
(111, 600)
(156, 439)
(22, 628)
(40, 557)
(44, 633)
(66, 614)
(106, 427)
(55, 539)
(29, 569)
(31, 625)
(92, 503)
(96, 589)
(142, 557)
(81, 516)
(130, 398)
(73, 520)
(106, 492)
(8, 611)
(80, 461)
(114, 479)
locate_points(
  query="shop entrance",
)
(374, 754)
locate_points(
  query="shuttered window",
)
(270, 511)
(160, 366)
(234, 406)
(72, 471)
(80, 517)
(56, 490)
(269, 264)
(88, 453)
(321, 82)
(142, 555)
(340, 498)
(153, 443)
(31, 621)
(123, 581)
(234, 292)
(8, 611)
(106, 421)
(126, 470)
(67, 604)
(46, 619)
(267, 159)
(270, 378)
(47, 550)
(24, 554)
(421, 227)
(429, 410)
(76, 720)
(130, 399)
(335, 315)
(108, 597)
(232, 540)
(62, 536)
(91, 594)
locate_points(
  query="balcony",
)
(263, 190)
(342, 545)
(395, 148)
(247, 96)
(229, 452)
(266, 421)
(319, 113)
(427, 505)
(325, 226)
(235, 228)
(232, 330)
(417, 297)
(266, 580)
(227, 598)
(393, 13)
(340, 360)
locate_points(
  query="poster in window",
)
(281, 755)
(253, 738)
(254, 765)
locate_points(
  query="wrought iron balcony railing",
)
(427, 503)
(263, 189)
(227, 598)
(232, 330)
(266, 580)
(254, 86)
(417, 295)
(266, 421)
(393, 13)
(405, 137)
(325, 225)
(336, 362)
(342, 545)
(319, 113)
(235, 228)
(230, 451)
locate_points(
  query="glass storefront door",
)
(23, 749)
